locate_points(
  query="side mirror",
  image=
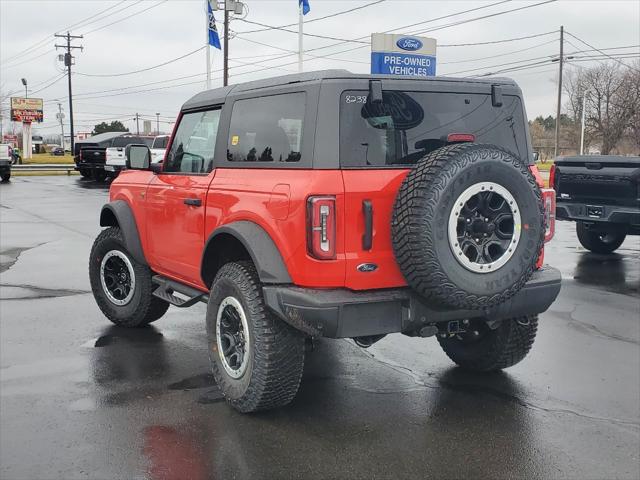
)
(536, 156)
(138, 157)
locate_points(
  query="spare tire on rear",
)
(468, 225)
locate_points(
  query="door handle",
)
(193, 202)
(367, 238)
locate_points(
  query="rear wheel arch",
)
(119, 214)
(243, 240)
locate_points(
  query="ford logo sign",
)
(367, 267)
(410, 44)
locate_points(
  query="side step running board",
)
(167, 288)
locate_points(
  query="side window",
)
(267, 129)
(194, 143)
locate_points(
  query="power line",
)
(462, 22)
(127, 17)
(315, 19)
(282, 29)
(50, 84)
(82, 22)
(499, 55)
(498, 41)
(606, 55)
(143, 69)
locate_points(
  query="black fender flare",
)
(119, 214)
(263, 251)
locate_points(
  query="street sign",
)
(26, 110)
(403, 55)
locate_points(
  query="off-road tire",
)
(85, 172)
(5, 177)
(143, 308)
(501, 348)
(598, 242)
(421, 217)
(276, 351)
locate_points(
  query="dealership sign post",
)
(27, 111)
(403, 55)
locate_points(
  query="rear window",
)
(124, 141)
(407, 125)
(267, 129)
(160, 142)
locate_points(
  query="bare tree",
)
(612, 102)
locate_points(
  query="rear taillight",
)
(552, 176)
(321, 227)
(549, 202)
(461, 137)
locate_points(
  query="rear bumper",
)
(89, 166)
(343, 313)
(582, 212)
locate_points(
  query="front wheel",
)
(599, 242)
(121, 286)
(256, 358)
(483, 349)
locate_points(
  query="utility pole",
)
(560, 62)
(61, 118)
(68, 61)
(138, 123)
(225, 55)
(157, 124)
(300, 36)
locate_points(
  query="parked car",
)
(159, 148)
(329, 204)
(57, 151)
(89, 154)
(601, 193)
(115, 155)
(6, 160)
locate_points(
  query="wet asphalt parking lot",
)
(80, 398)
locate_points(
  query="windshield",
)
(405, 126)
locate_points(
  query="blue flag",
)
(305, 6)
(214, 39)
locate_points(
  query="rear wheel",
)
(99, 175)
(121, 286)
(5, 176)
(256, 358)
(85, 172)
(598, 241)
(483, 349)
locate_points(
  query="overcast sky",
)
(171, 28)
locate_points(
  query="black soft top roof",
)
(218, 95)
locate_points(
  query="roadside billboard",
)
(403, 55)
(10, 139)
(26, 110)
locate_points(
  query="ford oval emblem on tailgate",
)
(410, 44)
(367, 267)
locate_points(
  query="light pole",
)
(26, 92)
(157, 124)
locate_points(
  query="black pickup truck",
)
(602, 194)
(89, 154)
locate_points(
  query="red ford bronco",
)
(328, 204)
